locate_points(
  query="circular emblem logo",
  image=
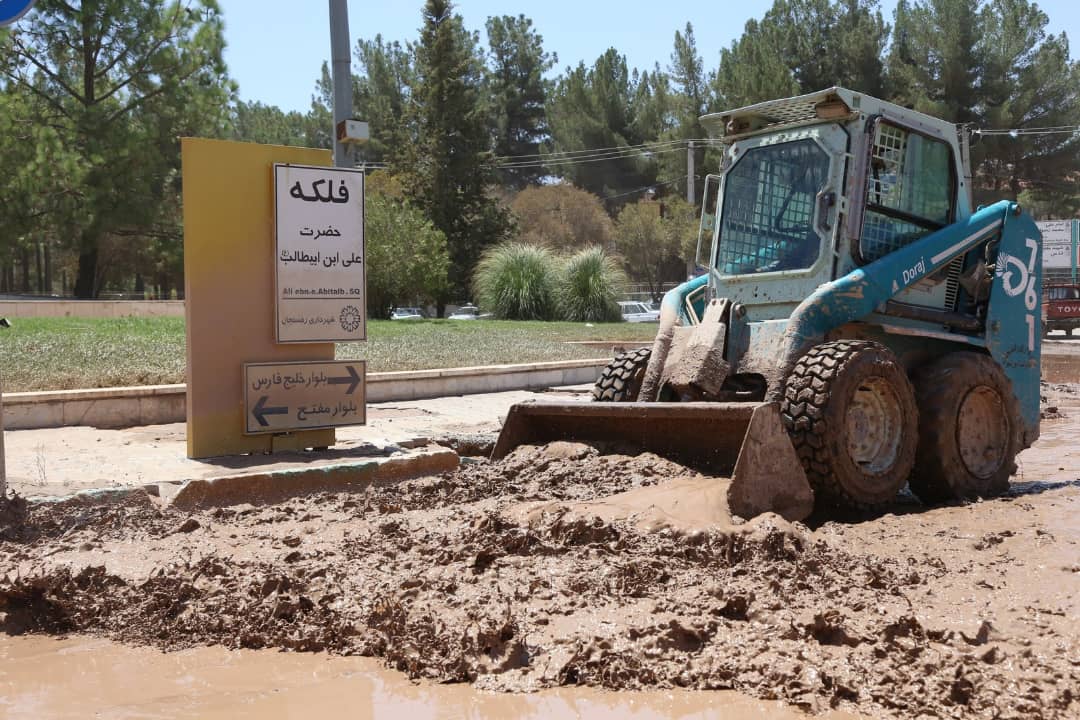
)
(350, 318)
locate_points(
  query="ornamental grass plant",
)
(516, 281)
(589, 284)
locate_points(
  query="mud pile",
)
(558, 566)
(13, 514)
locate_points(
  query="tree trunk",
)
(48, 270)
(85, 280)
(25, 267)
(140, 286)
(39, 268)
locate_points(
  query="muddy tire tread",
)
(939, 474)
(805, 415)
(621, 379)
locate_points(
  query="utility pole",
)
(690, 262)
(341, 69)
(690, 172)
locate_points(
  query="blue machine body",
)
(1013, 333)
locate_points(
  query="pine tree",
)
(449, 167)
(992, 65)
(517, 93)
(801, 46)
(381, 95)
(113, 84)
(691, 101)
(594, 108)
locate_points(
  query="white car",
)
(634, 311)
(406, 313)
(468, 312)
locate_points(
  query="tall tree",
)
(517, 93)
(381, 95)
(687, 71)
(268, 124)
(653, 106)
(753, 69)
(320, 118)
(449, 167)
(1029, 81)
(593, 108)
(116, 82)
(993, 65)
(800, 46)
(935, 63)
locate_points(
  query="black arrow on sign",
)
(352, 380)
(260, 411)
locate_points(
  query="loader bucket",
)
(744, 439)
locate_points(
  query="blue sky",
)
(276, 47)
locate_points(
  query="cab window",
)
(767, 217)
(909, 191)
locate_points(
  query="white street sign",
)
(1057, 243)
(319, 254)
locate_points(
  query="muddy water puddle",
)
(1061, 368)
(82, 677)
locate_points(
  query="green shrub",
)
(588, 286)
(517, 282)
(407, 259)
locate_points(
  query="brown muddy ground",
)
(558, 566)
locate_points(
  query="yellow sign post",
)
(229, 291)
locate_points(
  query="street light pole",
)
(341, 69)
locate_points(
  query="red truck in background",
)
(1061, 308)
(1061, 276)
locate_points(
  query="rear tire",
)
(621, 380)
(969, 429)
(850, 411)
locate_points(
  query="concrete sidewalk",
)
(62, 461)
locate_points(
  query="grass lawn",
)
(68, 353)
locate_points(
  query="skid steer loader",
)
(859, 326)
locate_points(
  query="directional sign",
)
(319, 254)
(279, 397)
(12, 10)
(1057, 238)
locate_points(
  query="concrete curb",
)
(266, 487)
(13, 309)
(274, 486)
(160, 404)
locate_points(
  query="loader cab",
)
(813, 187)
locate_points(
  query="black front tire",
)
(850, 411)
(970, 433)
(621, 380)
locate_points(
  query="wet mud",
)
(214, 683)
(559, 566)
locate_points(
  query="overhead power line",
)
(576, 157)
(566, 153)
(645, 188)
(1017, 132)
(597, 158)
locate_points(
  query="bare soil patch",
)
(560, 566)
